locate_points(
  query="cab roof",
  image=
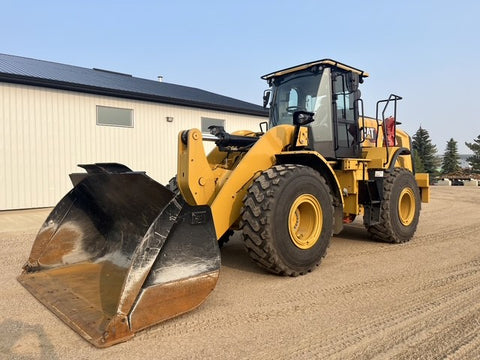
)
(328, 62)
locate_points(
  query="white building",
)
(55, 116)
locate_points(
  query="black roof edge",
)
(61, 85)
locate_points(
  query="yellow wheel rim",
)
(406, 206)
(305, 221)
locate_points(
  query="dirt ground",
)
(367, 300)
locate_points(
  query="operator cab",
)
(327, 89)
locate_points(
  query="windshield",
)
(305, 91)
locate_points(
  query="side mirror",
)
(266, 97)
(263, 127)
(352, 81)
(302, 118)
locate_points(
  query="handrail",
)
(393, 98)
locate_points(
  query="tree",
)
(474, 160)
(417, 163)
(426, 151)
(451, 159)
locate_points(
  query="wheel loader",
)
(120, 252)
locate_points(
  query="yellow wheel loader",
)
(121, 252)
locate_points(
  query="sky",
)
(428, 51)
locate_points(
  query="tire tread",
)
(256, 214)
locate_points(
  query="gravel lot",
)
(367, 300)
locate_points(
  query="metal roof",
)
(27, 71)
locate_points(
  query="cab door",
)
(345, 118)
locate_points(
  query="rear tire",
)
(287, 219)
(400, 210)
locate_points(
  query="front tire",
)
(287, 219)
(400, 210)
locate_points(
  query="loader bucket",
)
(120, 253)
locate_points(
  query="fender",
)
(399, 152)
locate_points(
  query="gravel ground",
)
(367, 300)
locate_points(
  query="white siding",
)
(45, 133)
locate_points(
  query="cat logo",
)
(370, 133)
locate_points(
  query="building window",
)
(111, 116)
(206, 122)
